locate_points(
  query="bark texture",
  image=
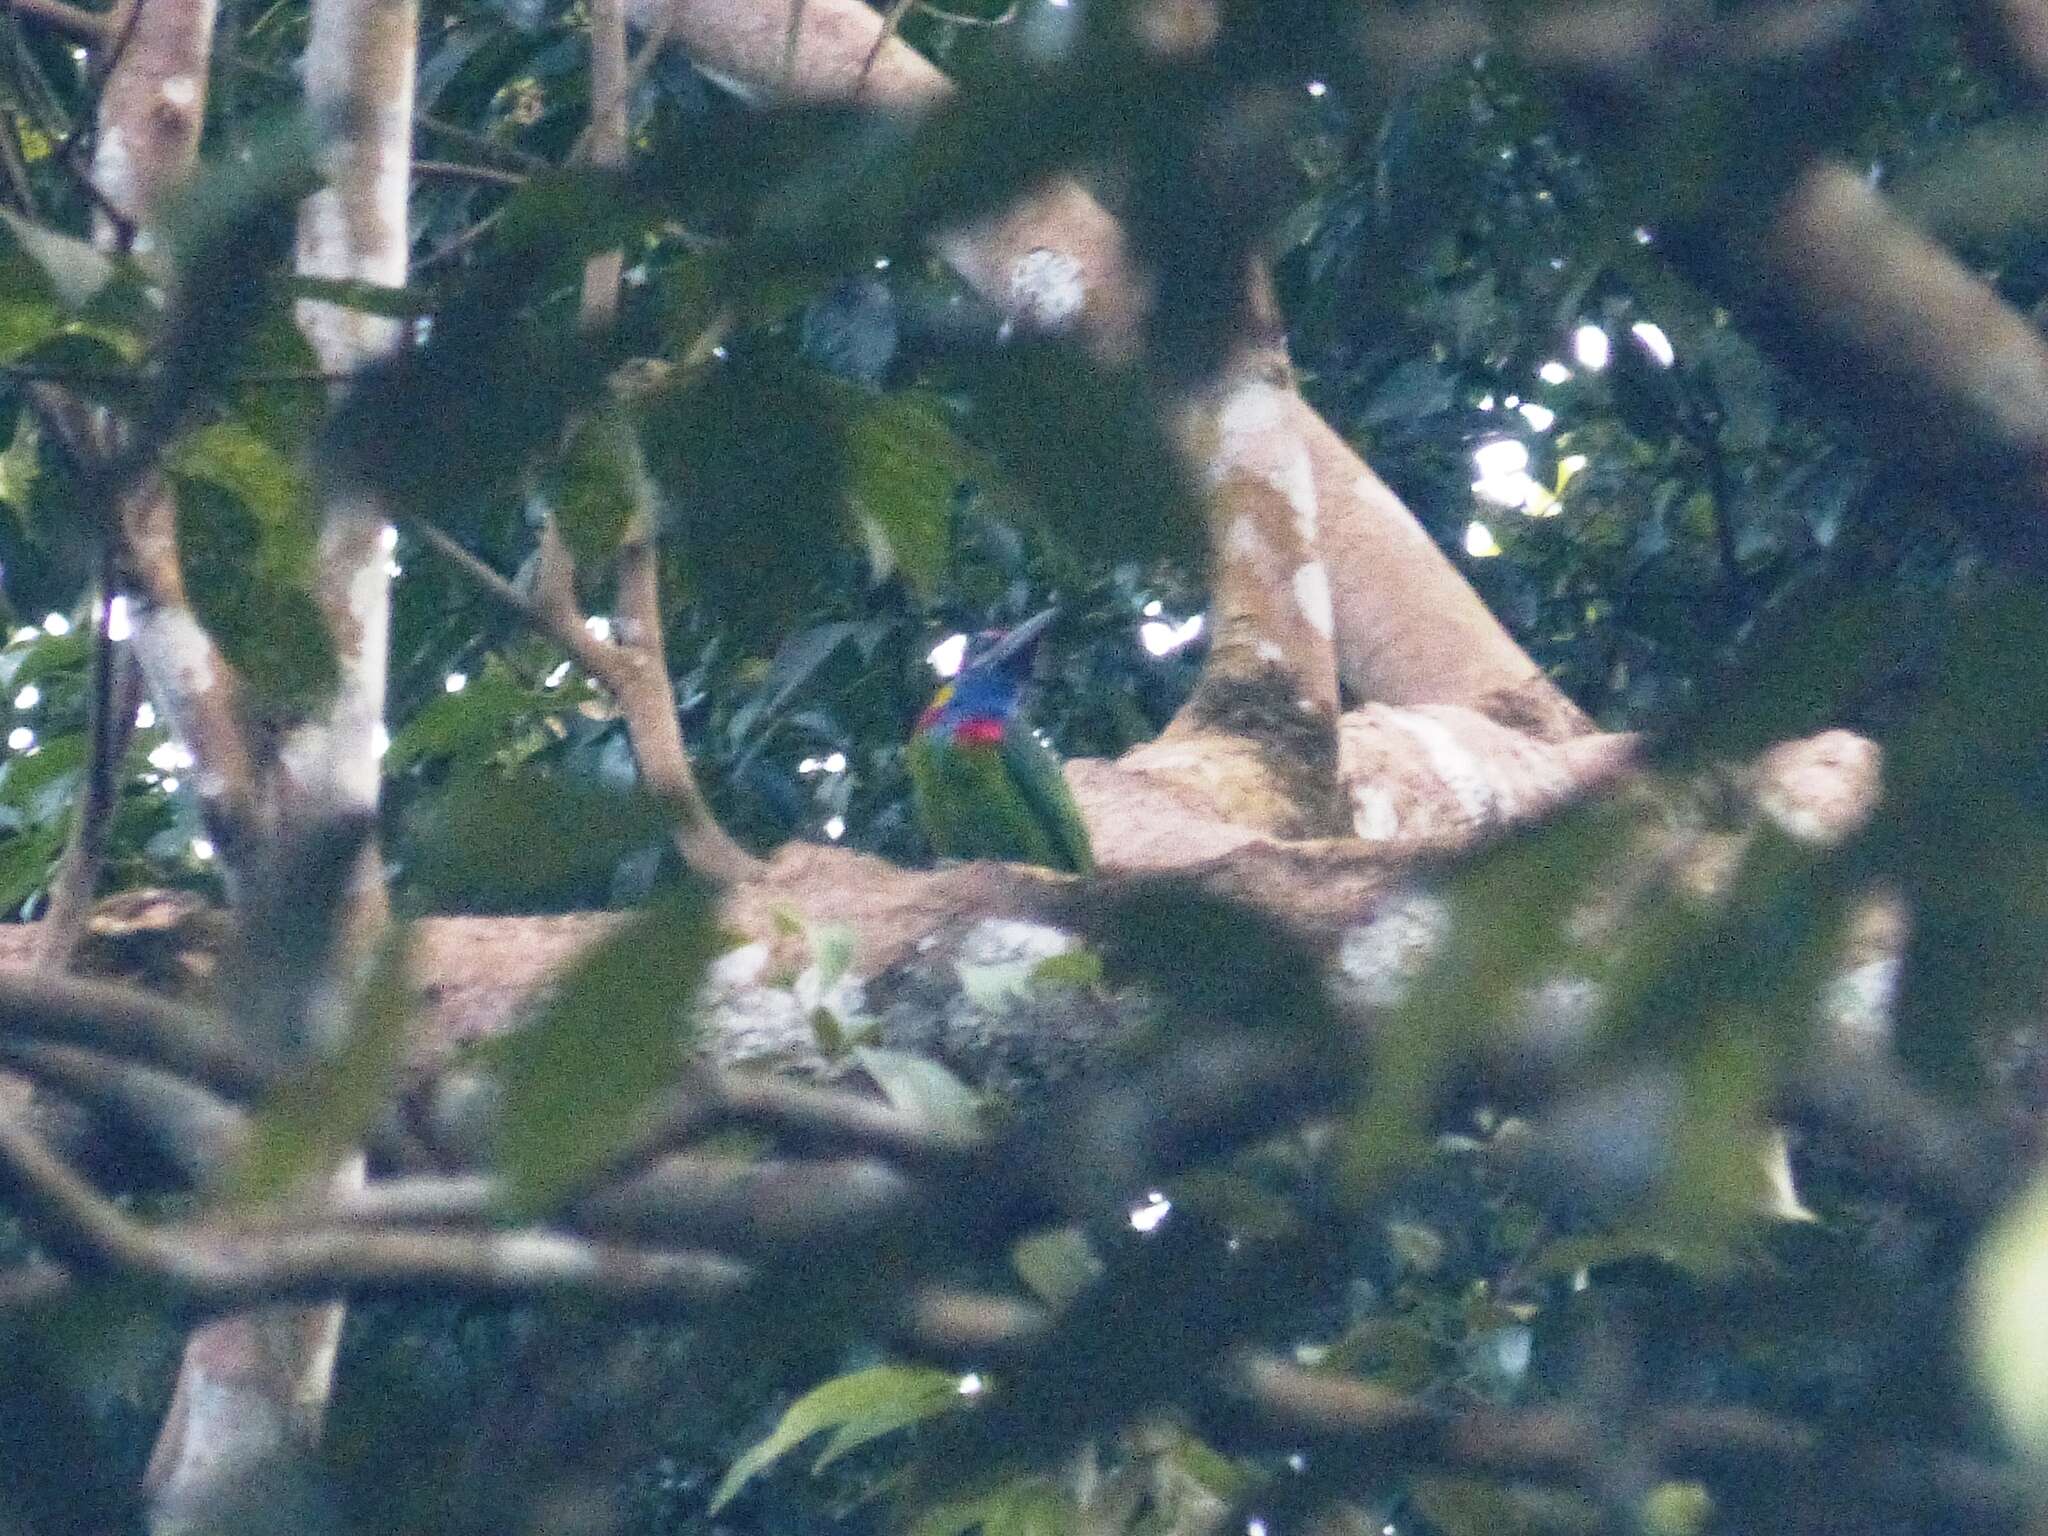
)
(254, 1384)
(1406, 626)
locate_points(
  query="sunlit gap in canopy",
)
(1502, 467)
(1155, 1209)
(1162, 637)
(946, 656)
(1655, 342)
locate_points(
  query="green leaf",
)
(905, 466)
(2007, 1320)
(445, 433)
(40, 783)
(595, 486)
(1019, 1506)
(307, 1127)
(831, 952)
(1815, 652)
(1646, 396)
(923, 1090)
(367, 298)
(230, 231)
(1506, 923)
(504, 838)
(247, 571)
(856, 1408)
(21, 463)
(1084, 446)
(580, 1080)
(1076, 968)
(44, 656)
(1221, 961)
(1963, 778)
(1057, 1265)
(1469, 1507)
(234, 458)
(1980, 185)
(755, 450)
(61, 269)
(470, 723)
(1678, 1509)
(284, 411)
(25, 860)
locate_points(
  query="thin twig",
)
(460, 244)
(456, 170)
(636, 75)
(892, 19)
(843, 1121)
(197, 1132)
(1007, 15)
(116, 691)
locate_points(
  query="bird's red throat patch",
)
(982, 731)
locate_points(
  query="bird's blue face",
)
(991, 681)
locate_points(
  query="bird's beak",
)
(1020, 640)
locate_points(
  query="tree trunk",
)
(254, 1384)
(1407, 627)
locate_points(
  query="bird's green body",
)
(998, 800)
(984, 786)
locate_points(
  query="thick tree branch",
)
(1408, 628)
(1919, 352)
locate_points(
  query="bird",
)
(983, 785)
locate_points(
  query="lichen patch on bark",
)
(1047, 289)
(1312, 596)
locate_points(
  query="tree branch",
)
(1367, 1426)
(126, 1022)
(116, 690)
(454, 170)
(74, 22)
(225, 1269)
(195, 1131)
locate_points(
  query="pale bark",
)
(254, 1384)
(151, 110)
(1408, 628)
